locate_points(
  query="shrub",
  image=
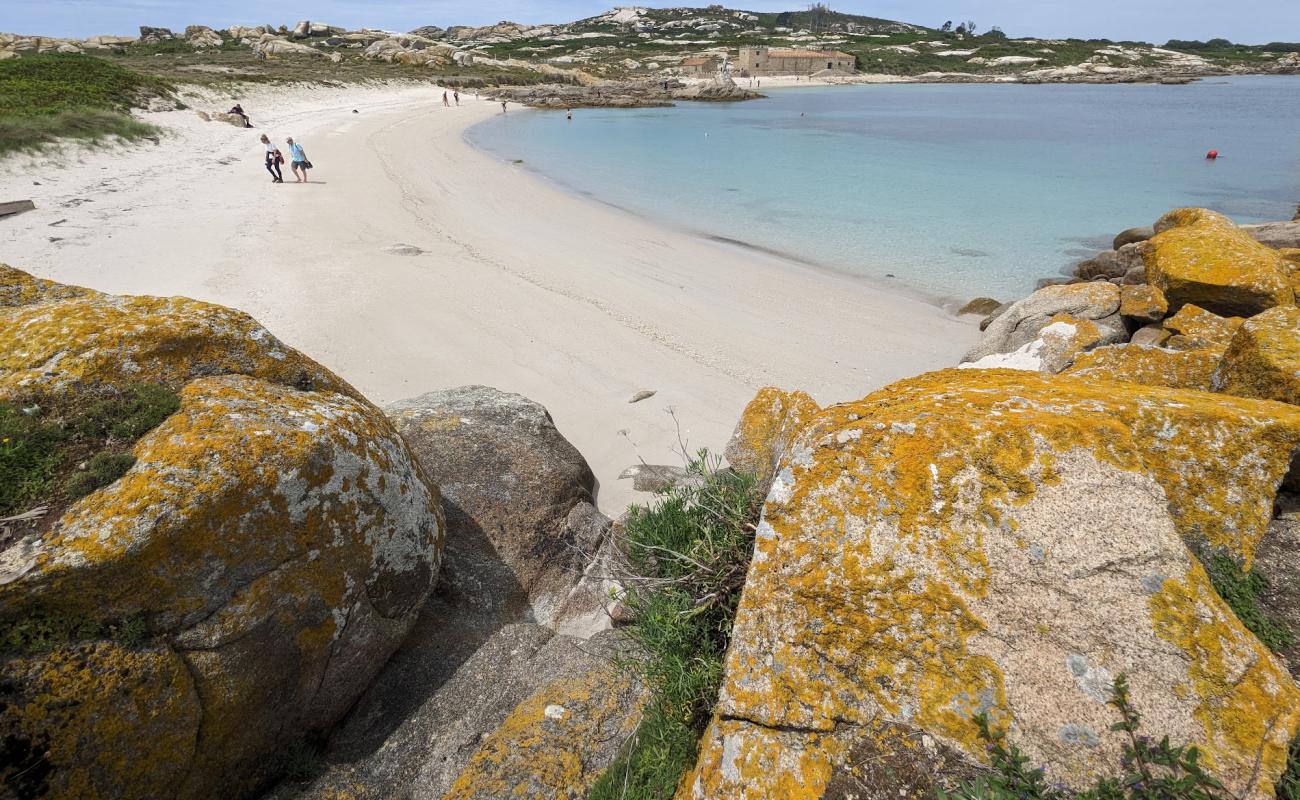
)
(684, 561)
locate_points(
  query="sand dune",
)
(515, 284)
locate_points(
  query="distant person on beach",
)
(238, 111)
(456, 96)
(568, 114)
(445, 102)
(274, 158)
(503, 106)
(298, 161)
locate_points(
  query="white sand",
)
(521, 286)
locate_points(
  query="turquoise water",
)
(953, 190)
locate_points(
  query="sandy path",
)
(520, 286)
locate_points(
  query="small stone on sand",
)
(644, 394)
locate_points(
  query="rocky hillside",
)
(639, 43)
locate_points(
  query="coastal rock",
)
(201, 36)
(1110, 263)
(509, 482)
(768, 426)
(275, 46)
(273, 543)
(1133, 236)
(1150, 336)
(1263, 359)
(1199, 256)
(983, 306)
(1143, 303)
(653, 477)
(1150, 365)
(106, 340)
(1058, 344)
(1275, 234)
(932, 553)
(1021, 323)
(644, 394)
(1199, 327)
(563, 736)
(994, 314)
(149, 35)
(480, 714)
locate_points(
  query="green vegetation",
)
(60, 95)
(1150, 770)
(1241, 590)
(43, 450)
(1289, 787)
(685, 560)
(41, 631)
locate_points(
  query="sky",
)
(1247, 21)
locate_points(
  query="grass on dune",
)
(52, 96)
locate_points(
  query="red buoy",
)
(1213, 154)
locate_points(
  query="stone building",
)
(766, 61)
(700, 65)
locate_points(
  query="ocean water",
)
(953, 190)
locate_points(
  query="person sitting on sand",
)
(298, 161)
(238, 111)
(274, 158)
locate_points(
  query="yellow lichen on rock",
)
(1150, 366)
(1199, 256)
(1200, 328)
(749, 762)
(771, 421)
(542, 750)
(60, 339)
(77, 720)
(275, 532)
(988, 541)
(1263, 359)
(1143, 302)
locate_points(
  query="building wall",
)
(758, 61)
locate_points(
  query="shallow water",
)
(954, 190)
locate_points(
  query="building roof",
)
(807, 54)
(699, 61)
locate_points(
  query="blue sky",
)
(1254, 21)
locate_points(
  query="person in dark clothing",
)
(238, 110)
(273, 160)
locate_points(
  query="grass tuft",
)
(684, 561)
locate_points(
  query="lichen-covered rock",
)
(767, 427)
(1150, 366)
(477, 718)
(56, 338)
(1150, 336)
(1002, 542)
(509, 482)
(273, 546)
(1142, 303)
(1263, 359)
(559, 740)
(1021, 323)
(1201, 257)
(1200, 328)
(1058, 345)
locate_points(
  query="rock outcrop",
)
(1263, 358)
(1021, 324)
(1151, 366)
(274, 542)
(768, 427)
(1005, 543)
(1199, 256)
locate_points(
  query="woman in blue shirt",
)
(298, 161)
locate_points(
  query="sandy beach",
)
(515, 284)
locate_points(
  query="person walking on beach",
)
(445, 102)
(456, 96)
(503, 106)
(274, 158)
(298, 161)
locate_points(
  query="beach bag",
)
(306, 165)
